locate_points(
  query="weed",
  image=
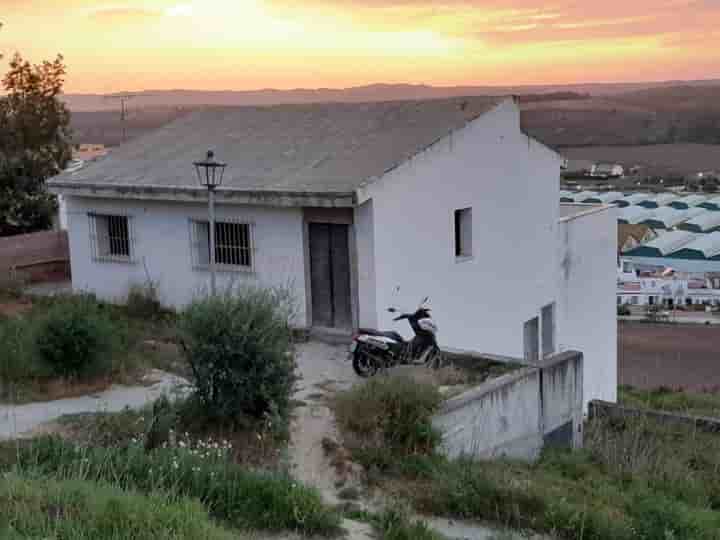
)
(635, 479)
(243, 499)
(78, 510)
(394, 523)
(388, 417)
(143, 302)
(667, 399)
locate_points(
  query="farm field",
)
(679, 158)
(674, 356)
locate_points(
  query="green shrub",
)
(76, 337)
(17, 361)
(242, 498)
(143, 301)
(389, 417)
(239, 349)
(77, 510)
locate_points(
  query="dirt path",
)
(324, 371)
(17, 420)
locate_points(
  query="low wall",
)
(517, 414)
(42, 256)
(605, 410)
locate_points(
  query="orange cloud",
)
(123, 15)
(219, 44)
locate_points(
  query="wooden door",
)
(330, 275)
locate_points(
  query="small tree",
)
(239, 348)
(34, 143)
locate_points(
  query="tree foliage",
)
(35, 143)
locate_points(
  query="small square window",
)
(463, 233)
(233, 245)
(547, 322)
(111, 238)
(531, 340)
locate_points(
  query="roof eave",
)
(197, 194)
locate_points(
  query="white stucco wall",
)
(162, 244)
(365, 235)
(516, 414)
(587, 286)
(511, 183)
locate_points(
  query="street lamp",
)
(210, 174)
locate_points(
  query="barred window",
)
(111, 238)
(233, 244)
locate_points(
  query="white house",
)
(358, 207)
(607, 170)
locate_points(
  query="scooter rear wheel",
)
(363, 364)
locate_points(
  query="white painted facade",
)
(587, 279)
(404, 248)
(510, 182)
(161, 244)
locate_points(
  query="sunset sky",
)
(112, 45)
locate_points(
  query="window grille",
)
(111, 238)
(233, 245)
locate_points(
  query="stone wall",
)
(517, 414)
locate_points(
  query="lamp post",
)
(210, 174)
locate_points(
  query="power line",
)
(124, 97)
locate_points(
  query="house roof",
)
(634, 214)
(703, 222)
(664, 244)
(607, 197)
(688, 201)
(705, 246)
(667, 217)
(330, 148)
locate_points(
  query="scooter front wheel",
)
(435, 359)
(363, 364)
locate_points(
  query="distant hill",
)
(375, 92)
(560, 116)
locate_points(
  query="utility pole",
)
(124, 97)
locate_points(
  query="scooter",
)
(374, 350)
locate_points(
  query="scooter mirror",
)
(392, 310)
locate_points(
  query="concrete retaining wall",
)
(517, 414)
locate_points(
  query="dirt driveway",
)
(678, 356)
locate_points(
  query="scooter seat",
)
(388, 334)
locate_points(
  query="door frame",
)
(337, 216)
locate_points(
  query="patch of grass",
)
(241, 498)
(143, 302)
(635, 480)
(667, 399)
(166, 422)
(394, 523)
(79, 510)
(388, 418)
